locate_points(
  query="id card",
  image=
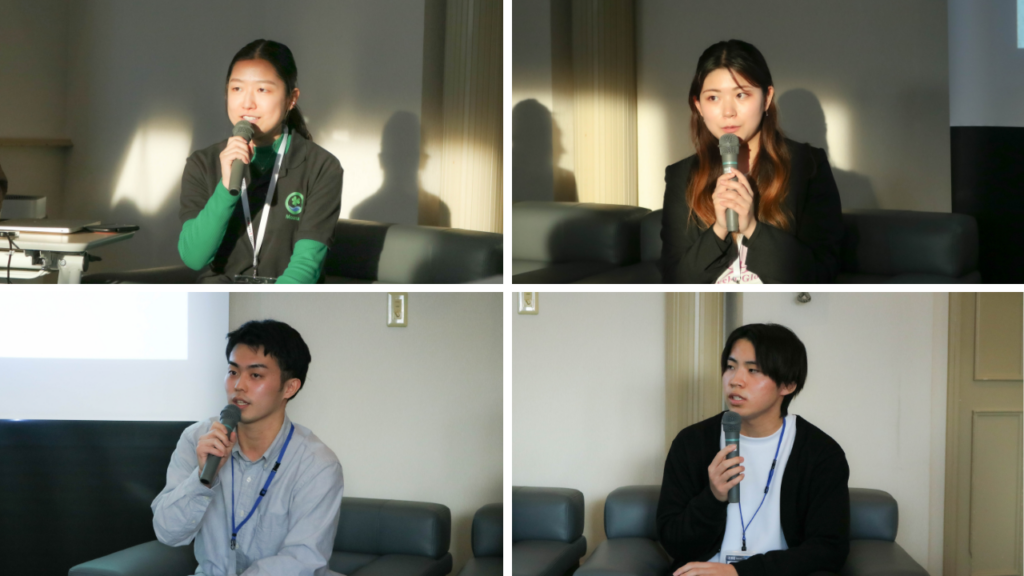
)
(736, 556)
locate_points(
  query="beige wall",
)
(588, 395)
(33, 77)
(413, 413)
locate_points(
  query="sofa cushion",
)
(629, 512)
(534, 272)
(627, 557)
(405, 565)
(482, 567)
(546, 557)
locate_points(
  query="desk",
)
(40, 253)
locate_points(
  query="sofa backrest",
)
(402, 253)
(377, 527)
(487, 531)
(874, 515)
(630, 512)
(576, 232)
(546, 514)
(892, 242)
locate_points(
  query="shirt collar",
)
(275, 446)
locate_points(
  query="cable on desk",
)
(10, 252)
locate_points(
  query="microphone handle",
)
(212, 462)
(732, 220)
(237, 166)
(734, 492)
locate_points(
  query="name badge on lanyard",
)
(257, 240)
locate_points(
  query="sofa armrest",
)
(546, 514)
(487, 531)
(892, 242)
(626, 557)
(149, 559)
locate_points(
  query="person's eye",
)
(257, 376)
(741, 95)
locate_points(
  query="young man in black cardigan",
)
(793, 518)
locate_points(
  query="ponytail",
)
(296, 123)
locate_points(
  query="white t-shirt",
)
(764, 533)
(737, 273)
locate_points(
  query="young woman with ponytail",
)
(219, 234)
(790, 218)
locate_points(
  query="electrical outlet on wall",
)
(528, 303)
(398, 309)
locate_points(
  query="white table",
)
(39, 253)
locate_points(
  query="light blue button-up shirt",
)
(292, 531)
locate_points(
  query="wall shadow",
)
(401, 199)
(536, 152)
(803, 120)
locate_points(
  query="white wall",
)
(138, 86)
(876, 384)
(588, 396)
(531, 51)
(868, 80)
(413, 413)
(986, 68)
(33, 76)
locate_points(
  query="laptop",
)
(46, 225)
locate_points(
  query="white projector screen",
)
(115, 356)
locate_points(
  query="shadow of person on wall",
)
(536, 151)
(401, 199)
(803, 120)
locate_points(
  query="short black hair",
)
(278, 340)
(779, 353)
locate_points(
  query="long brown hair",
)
(770, 174)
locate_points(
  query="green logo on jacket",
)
(293, 204)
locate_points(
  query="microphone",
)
(229, 417)
(243, 129)
(729, 147)
(731, 426)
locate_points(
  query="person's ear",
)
(291, 388)
(696, 102)
(787, 389)
(768, 100)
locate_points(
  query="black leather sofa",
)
(632, 548)
(555, 242)
(487, 543)
(370, 252)
(547, 531)
(375, 538)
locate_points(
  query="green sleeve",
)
(201, 236)
(304, 266)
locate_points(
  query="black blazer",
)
(814, 505)
(809, 253)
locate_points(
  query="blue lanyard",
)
(235, 529)
(770, 474)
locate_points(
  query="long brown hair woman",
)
(790, 218)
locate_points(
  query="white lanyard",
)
(257, 241)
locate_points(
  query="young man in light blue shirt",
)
(274, 504)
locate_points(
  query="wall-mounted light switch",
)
(528, 303)
(398, 309)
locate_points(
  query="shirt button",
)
(248, 479)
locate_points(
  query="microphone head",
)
(230, 416)
(731, 422)
(728, 144)
(244, 129)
